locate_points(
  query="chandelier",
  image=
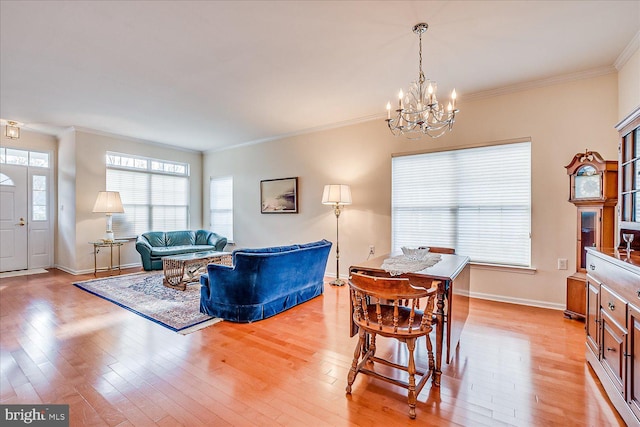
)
(12, 130)
(419, 112)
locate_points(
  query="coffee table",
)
(180, 270)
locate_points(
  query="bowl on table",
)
(415, 253)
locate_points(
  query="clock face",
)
(588, 184)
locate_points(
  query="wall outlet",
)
(562, 264)
(372, 250)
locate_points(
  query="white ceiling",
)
(206, 75)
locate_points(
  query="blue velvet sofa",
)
(154, 245)
(264, 282)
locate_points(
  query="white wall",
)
(561, 120)
(65, 254)
(83, 164)
(629, 85)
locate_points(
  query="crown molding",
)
(565, 78)
(132, 139)
(303, 132)
(627, 53)
(535, 84)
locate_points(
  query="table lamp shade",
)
(336, 194)
(108, 202)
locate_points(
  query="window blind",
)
(221, 206)
(151, 201)
(477, 200)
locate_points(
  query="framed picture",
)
(279, 195)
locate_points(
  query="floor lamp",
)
(336, 195)
(108, 202)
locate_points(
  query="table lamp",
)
(108, 202)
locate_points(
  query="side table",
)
(102, 244)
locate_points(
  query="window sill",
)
(505, 268)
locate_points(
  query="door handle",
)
(21, 223)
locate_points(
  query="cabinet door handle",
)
(625, 354)
(592, 266)
(612, 306)
(611, 349)
(638, 293)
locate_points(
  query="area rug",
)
(144, 294)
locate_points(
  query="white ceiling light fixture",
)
(419, 112)
(12, 130)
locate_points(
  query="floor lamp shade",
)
(337, 195)
(108, 202)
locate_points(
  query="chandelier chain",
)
(421, 74)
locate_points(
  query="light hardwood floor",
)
(58, 344)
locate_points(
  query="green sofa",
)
(154, 245)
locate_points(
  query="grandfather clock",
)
(593, 187)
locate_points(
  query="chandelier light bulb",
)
(419, 112)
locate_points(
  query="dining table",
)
(452, 274)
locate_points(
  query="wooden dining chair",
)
(439, 250)
(388, 307)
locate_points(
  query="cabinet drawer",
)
(613, 352)
(613, 305)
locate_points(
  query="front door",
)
(13, 218)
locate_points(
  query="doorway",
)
(26, 235)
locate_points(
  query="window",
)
(221, 201)
(477, 200)
(36, 159)
(154, 194)
(39, 198)
(5, 180)
(13, 156)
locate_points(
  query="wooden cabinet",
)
(613, 327)
(576, 296)
(633, 373)
(613, 318)
(593, 188)
(629, 178)
(596, 229)
(592, 320)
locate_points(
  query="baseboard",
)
(519, 301)
(66, 269)
(90, 270)
(479, 295)
(500, 298)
